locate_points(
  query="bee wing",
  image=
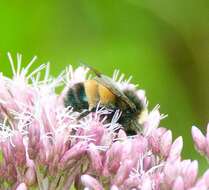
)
(97, 73)
(109, 83)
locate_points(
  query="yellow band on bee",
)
(105, 95)
(91, 90)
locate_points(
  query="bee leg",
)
(84, 114)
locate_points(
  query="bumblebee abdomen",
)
(76, 98)
(135, 99)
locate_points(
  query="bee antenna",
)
(97, 73)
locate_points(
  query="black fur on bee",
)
(76, 98)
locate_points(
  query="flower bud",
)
(171, 171)
(146, 183)
(178, 184)
(96, 132)
(113, 158)
(199, 139)
(75, 153)
(165, 143)
(7, 152)
(191, 174)
(131, 182)
(19, 149)
(114, 188)
(95, 158)
(33, 140)
(154, 144)
(22, 186)
(91, 182)
(176, 148)
(206, 178)
(30, 175)
(147, 163)
(123, 172)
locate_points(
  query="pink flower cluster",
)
(201, 142)
(43, 145)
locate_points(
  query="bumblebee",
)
(84, 98)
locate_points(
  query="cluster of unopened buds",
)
(43, 145)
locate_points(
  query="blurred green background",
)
(163, 44)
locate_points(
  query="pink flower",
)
(45, 146)
(199, 139)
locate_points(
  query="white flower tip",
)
(114, 187)
(22, 186)
(180, 141)
(8, 54)
(194, 128)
